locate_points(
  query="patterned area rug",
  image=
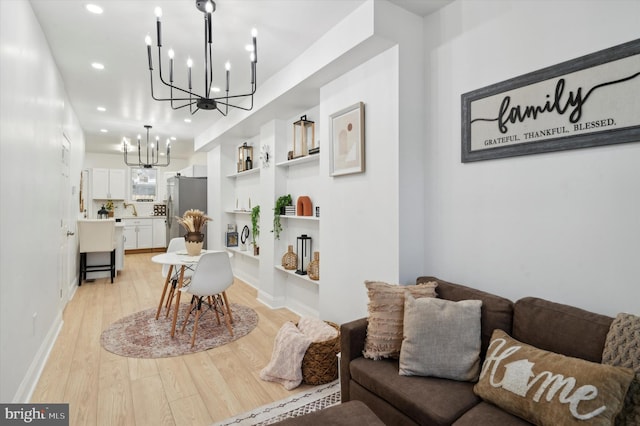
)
(140, 335)
(299, 404)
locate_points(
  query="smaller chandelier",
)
(152, 160)
(187, 97)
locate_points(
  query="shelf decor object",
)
(303, 251)
(303, 131)
(279, 209)
(244, 236)
(232, 239)
(193, 221)
(347, 140)
(245, 156)
(255, 228)
(304, 207)
(290, 259)
(314, 267)
(155, 153)
(187, 97)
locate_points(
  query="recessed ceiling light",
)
(248, 47)
(173, 138)
(187, 120)
(215, 89)
(101, 109)
(97, 66)
(94, 8)
(104, 130)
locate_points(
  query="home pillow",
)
(386, 315)
(622, 349)
(546, 388)
(441, 338)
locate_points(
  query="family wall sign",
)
(588, 101)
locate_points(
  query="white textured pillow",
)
(441, 338)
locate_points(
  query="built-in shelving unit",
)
(293, 274)
(248, 252)
(300, 160)
(245, 173)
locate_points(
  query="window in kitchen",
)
(143, 184)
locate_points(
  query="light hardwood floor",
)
(198, 389)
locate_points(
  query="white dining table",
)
(177, 259)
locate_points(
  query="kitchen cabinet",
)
(138, 233)
(108, 184)
(159, 232)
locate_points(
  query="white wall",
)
(563, 226)
(359, 215)
(34, 113)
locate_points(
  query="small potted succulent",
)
(278, 210)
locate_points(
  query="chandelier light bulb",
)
(158, 12)
(147, 40)
(227, 66)
(209, 7)
(254, 32)
(171, 53)
(189, 62)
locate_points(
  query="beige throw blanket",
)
(290, 345)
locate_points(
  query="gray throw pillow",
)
(441, 338)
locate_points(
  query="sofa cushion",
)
(386, 316)
(622, 349)
(496, 312)
(560, 328)
(546, 388)
(441, 338)
(426, 400)
(489, 414)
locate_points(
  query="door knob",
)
(69, 233)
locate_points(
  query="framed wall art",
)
(589, 101)
(347, 140)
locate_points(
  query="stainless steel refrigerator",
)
(184, 193)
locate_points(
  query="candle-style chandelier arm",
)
(194, 101)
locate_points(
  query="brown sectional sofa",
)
(403, 400)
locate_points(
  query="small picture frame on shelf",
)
(232, 239)
(232, 227)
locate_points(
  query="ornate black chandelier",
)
(151, 148)
(186, 97)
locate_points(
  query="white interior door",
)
(65, 232)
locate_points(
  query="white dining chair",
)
(96, 236)
(211, 278)
(175, 245)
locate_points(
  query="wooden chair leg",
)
(227, 319)
(172, 293)
(226, 303)
(193, 305)
(164, 291)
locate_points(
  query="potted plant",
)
(193, 221)
(109, 206)
(278, 209)
(255, 228)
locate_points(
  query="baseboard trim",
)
(31, 378)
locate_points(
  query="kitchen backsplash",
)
(143, 209)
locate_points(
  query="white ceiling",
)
(116, 39)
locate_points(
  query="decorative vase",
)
(256, 250)
(314, 267)
(193, 242)
(290, 259)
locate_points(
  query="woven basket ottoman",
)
(348, 413)
(320, 362)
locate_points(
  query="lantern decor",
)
(103, 213)
(303, 251)
(245, 157)
(304, 131)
